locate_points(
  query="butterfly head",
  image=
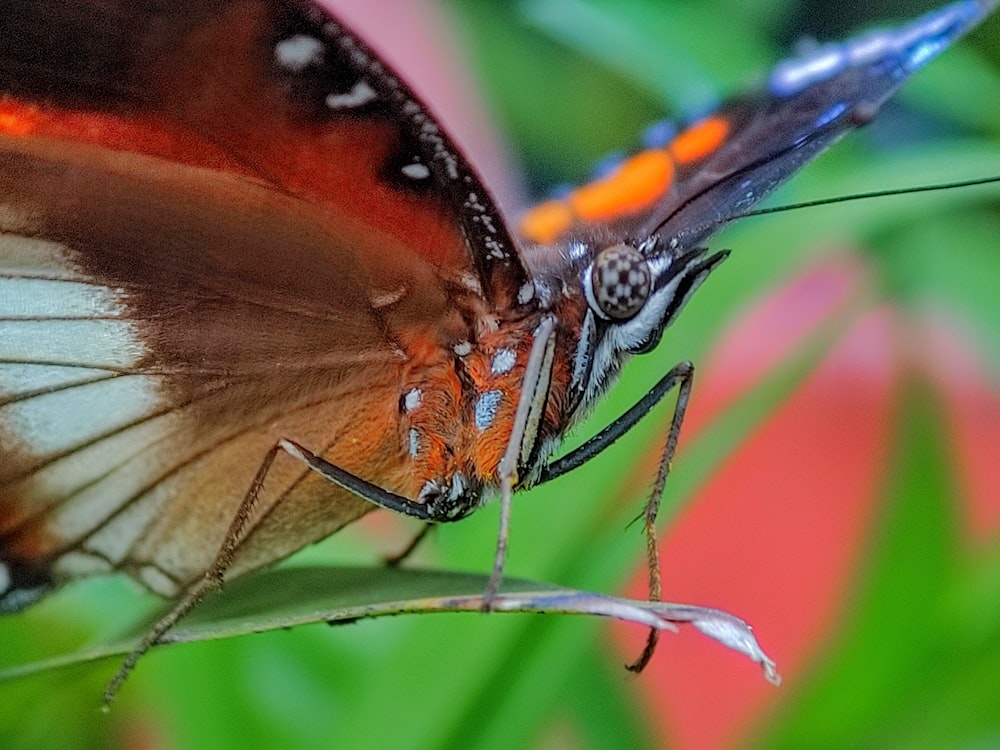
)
(617, 297)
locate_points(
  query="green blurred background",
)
(911, 654)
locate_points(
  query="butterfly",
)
(251, 290)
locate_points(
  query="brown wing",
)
(221, 222)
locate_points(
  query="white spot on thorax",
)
(358, 96)
(504, 361)
(486, 409)
(526, 293)
(578, 251)
(416, 171)
(298, 52)
(458, 486)
(581, 360)
(543, 292)
(430, 489)
(413, 398)
(470, 282)
(462, 348)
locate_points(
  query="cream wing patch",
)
(74, 410)
(64, 343)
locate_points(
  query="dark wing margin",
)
(497, 260)
(810, 102)
(259, 82)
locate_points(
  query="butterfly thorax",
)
(459, 399)
(457, 408)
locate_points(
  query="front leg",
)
(680, 376)
(434, 506)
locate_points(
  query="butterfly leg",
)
(394, 561)
(210, 581)
(681, 377)
(213, 578)
(441, 508)
(524, 431)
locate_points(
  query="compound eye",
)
(621, 281)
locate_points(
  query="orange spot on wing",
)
(16, 119)
(699, 140)
(633, 187)
(546, 222)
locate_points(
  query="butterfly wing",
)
(222, 222)
(712, 172)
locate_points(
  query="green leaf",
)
(289, 597)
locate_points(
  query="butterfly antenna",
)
(864, 196)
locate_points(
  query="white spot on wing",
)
(462, 348)
(113, 344)
(17, 222)
(62, 333)
(358, 96)
(154, 578)
(298, 52)
(56, 422)
(78, 564)
(124, 493)
(45, 298)
(906, 48)
(792, 76)
(380, 298)
(416, 171)
(22, 255)
(17, 379)
(414, 440)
